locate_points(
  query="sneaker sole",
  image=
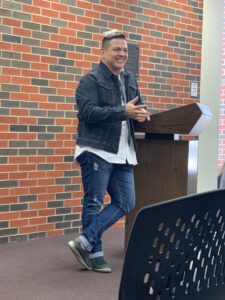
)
(79, 257)
(102, 270)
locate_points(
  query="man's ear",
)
(102, 52)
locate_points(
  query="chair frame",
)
(176, 250)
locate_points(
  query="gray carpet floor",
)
(45, 269)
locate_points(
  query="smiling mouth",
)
(120, 60)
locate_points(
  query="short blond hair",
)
(112, 34)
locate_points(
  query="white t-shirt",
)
(126, 152)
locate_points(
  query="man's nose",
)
(122, 52)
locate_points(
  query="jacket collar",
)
(105, 69)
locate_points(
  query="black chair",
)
(176, 250)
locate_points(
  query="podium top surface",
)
(189, 119)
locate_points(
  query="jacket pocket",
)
(132, 91)
(106, 94)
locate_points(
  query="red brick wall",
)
(46, 46)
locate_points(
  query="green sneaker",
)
(81, 254)
(100, 265)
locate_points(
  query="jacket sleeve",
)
(89, 110)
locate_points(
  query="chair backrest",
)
(176, 250)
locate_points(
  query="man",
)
(108, 99)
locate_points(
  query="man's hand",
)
(137, 112)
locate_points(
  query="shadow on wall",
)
(221, 178)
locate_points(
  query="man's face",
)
(116, 55)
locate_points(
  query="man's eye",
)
(118, 50)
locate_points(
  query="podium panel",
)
(166, 169)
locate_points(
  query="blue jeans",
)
(99, 177)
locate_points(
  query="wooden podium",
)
(167, 165)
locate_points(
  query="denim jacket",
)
(100, 111)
